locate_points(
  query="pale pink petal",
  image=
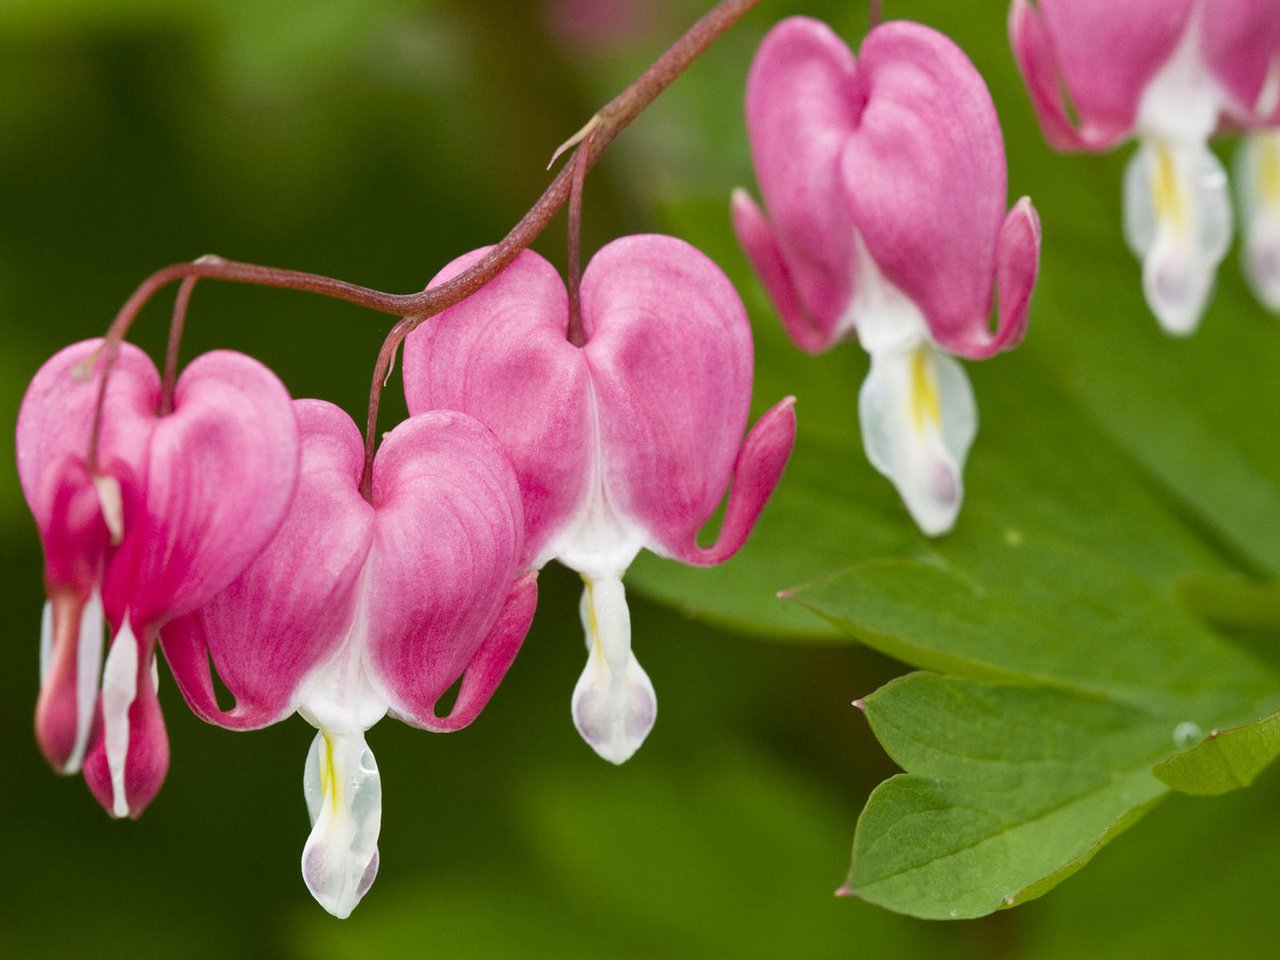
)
(802, 103)
(220, 473)
(492, 660)
(670, 352)
(502, 356)
(292, 606)
(1104, 52)
(56, 416)
(446, 549)
(1240, 40)
(925, 177)
(761, 247)
(761, 460)
(146, 760)
(1033, 50)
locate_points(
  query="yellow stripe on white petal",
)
(1258, 185)
(918, 421)
(1177, 218)
(344, 798)
(614, 704)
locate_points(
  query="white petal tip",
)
(614, 718)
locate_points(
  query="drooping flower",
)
(625, 443)
(1167, 73)
(884, 181)
(357, 608)
(170, 511)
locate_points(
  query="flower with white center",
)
(359, 608)
(171, 510)
(1167, 73)
(884, 181)
(624, 443)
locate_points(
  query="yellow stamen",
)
(591, 616)
(925, 411)
(328, 781)
(1171, 206)
(1269, 171)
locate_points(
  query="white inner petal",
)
(88, 673)
(46, 640)
(614, 704)
(1183, 100)
(119, 688)
(338, 694)
(1258, 186)
(1178, 220)
(111, 502)
(344, 799)
(918, 421)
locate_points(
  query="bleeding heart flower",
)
(1168, 73)
(884, 179)
(172, 510)
(624, 443)
(356, 608)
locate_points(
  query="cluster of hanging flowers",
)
(1168, 74)
(255, 540)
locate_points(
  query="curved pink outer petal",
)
(1240, 41)
(924, 175)
(502, 356)
(292, 606)
(1017, 265)
(446, 550)
(1101, 53)
(56, 416)
(147, 759)
(801, 104)
(669, 347)
(220, 473)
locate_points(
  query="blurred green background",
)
(375, 140)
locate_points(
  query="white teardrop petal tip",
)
(614, 716)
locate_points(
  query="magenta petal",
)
(220, 472)
(760, 463)
(56, 416)
(147, 760)
(447, 546)
(502, 356)
(670, 352)
(802, 103)
(761, 247)
(1104, 53)
(492, 660)
(1240, 42)
(291, 607)
(925, 176)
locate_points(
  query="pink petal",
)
(1104, 52)
(147, 760)
(56, 416)
(925, 177)
(447, 547)
(670, 352)
(220, 472)
(802, 103)
(491, 660)
(502, 356)
(1240, 41)
(292, 606)
(761, 460)
(761, 247)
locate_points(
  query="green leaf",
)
(1225, 760)
(1008, 790)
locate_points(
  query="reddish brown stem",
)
(875, 15)
(414, 308)
(176, 326)
(577, 335)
